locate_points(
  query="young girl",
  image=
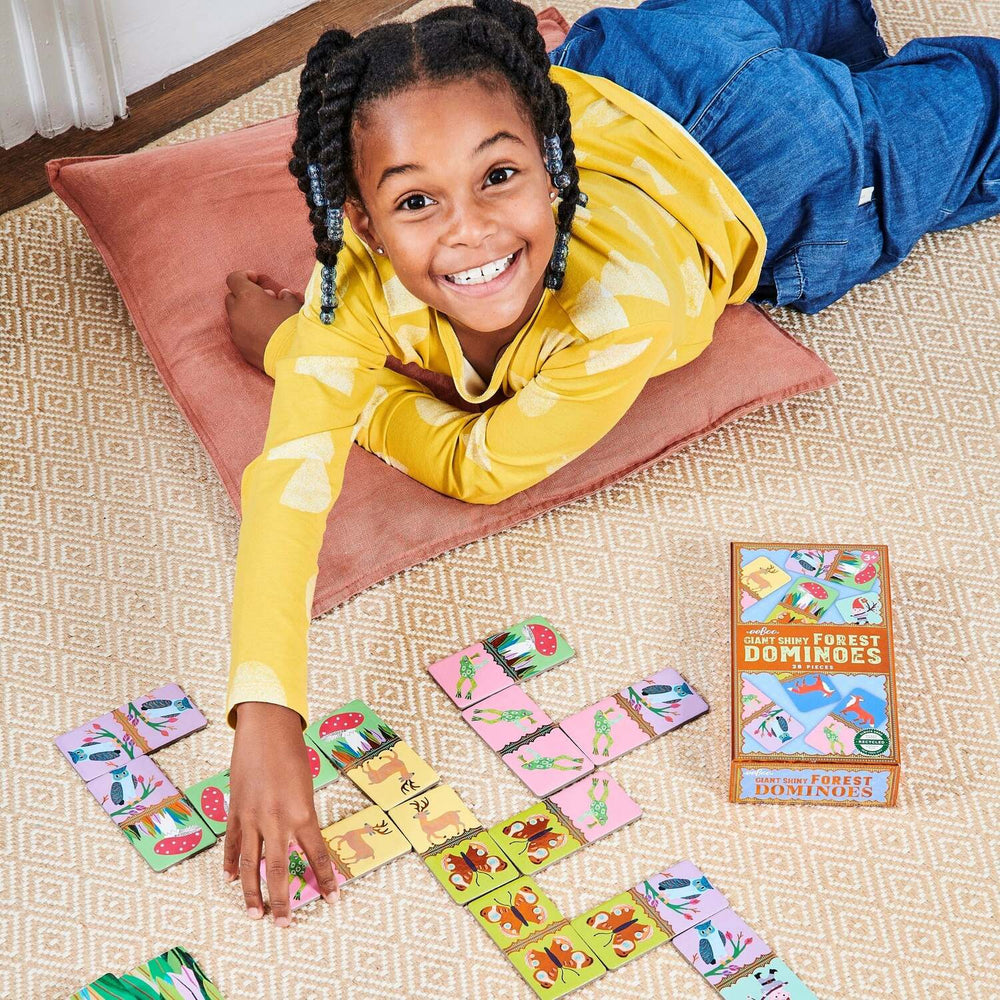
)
(548, 239)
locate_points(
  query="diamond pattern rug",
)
(118, 544)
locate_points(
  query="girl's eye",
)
(405, 205)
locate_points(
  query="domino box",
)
(813, 689)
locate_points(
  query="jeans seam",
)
(719, 92)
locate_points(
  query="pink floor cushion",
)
(173, 221)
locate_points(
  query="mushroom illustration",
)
(214, 805)
(816, 590)
(544, 639)
(342, 722)
(186, 840)
(314, 762)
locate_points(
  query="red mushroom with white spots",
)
(185, 841)
(340, 726)
(544, 638)
(314, 762)
(214, 804)
(813, 589)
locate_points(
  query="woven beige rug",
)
(118, 545)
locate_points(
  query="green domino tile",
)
(770, 979)
(471, 867)
(557, 963)
(173, 974)
(515, 912)
(168, 833)
(322, 771)
(106, 987)
(619, 930)
(211, 798)
(528, 648)
(353, 732)
(534, 838)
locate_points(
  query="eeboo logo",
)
(871, 742)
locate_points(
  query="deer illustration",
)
(356, 843)
(804, 686)
(853, 706)
(758, 581)
(434, 827)
(391, 766)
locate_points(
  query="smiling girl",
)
(543, 236)
(546, 238)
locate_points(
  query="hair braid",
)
(307, 138)
(343, 75)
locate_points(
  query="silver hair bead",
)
(316, 184)
(553, 155)
(335, 224)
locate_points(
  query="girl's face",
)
(452, 177)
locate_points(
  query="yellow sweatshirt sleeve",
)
(323, 377)
(577, 396)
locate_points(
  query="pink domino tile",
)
(131, 789)
(721, 945)
(682, 896)
(470, 675)
(665, 700)
(604, 731)
(595, 806)
(548, 761)
(98, 746)
(506, 717)
(302, 885)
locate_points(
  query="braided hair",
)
(343, 75)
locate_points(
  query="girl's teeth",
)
(479, 275)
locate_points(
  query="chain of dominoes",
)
(491, 867)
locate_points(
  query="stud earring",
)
(379, 250)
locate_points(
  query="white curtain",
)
(59, 67)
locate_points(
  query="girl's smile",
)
(477, 288)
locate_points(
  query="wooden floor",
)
(189, 93)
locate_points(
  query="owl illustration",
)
(672, 886)
(162, 708)
(710, 939)
(122, 785)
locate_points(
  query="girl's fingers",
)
(231, 857)
(319, 858)
(250, 873)
(276, 866)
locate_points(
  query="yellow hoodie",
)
(665, 242)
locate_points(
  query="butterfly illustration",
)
(623, 929)
(466, 867)
(522, 910)
(549, 963)
(540, 839)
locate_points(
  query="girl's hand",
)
(271, 801)
(257, 307)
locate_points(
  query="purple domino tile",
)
(721, 945)
(595, 806)
(682, 896)
(506, 717)
(470, 675)
(164, 715)
(665, 700)
(604, 731)
(131, 789)
(98, 746)
(548, 761)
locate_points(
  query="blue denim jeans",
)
(848, 155)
